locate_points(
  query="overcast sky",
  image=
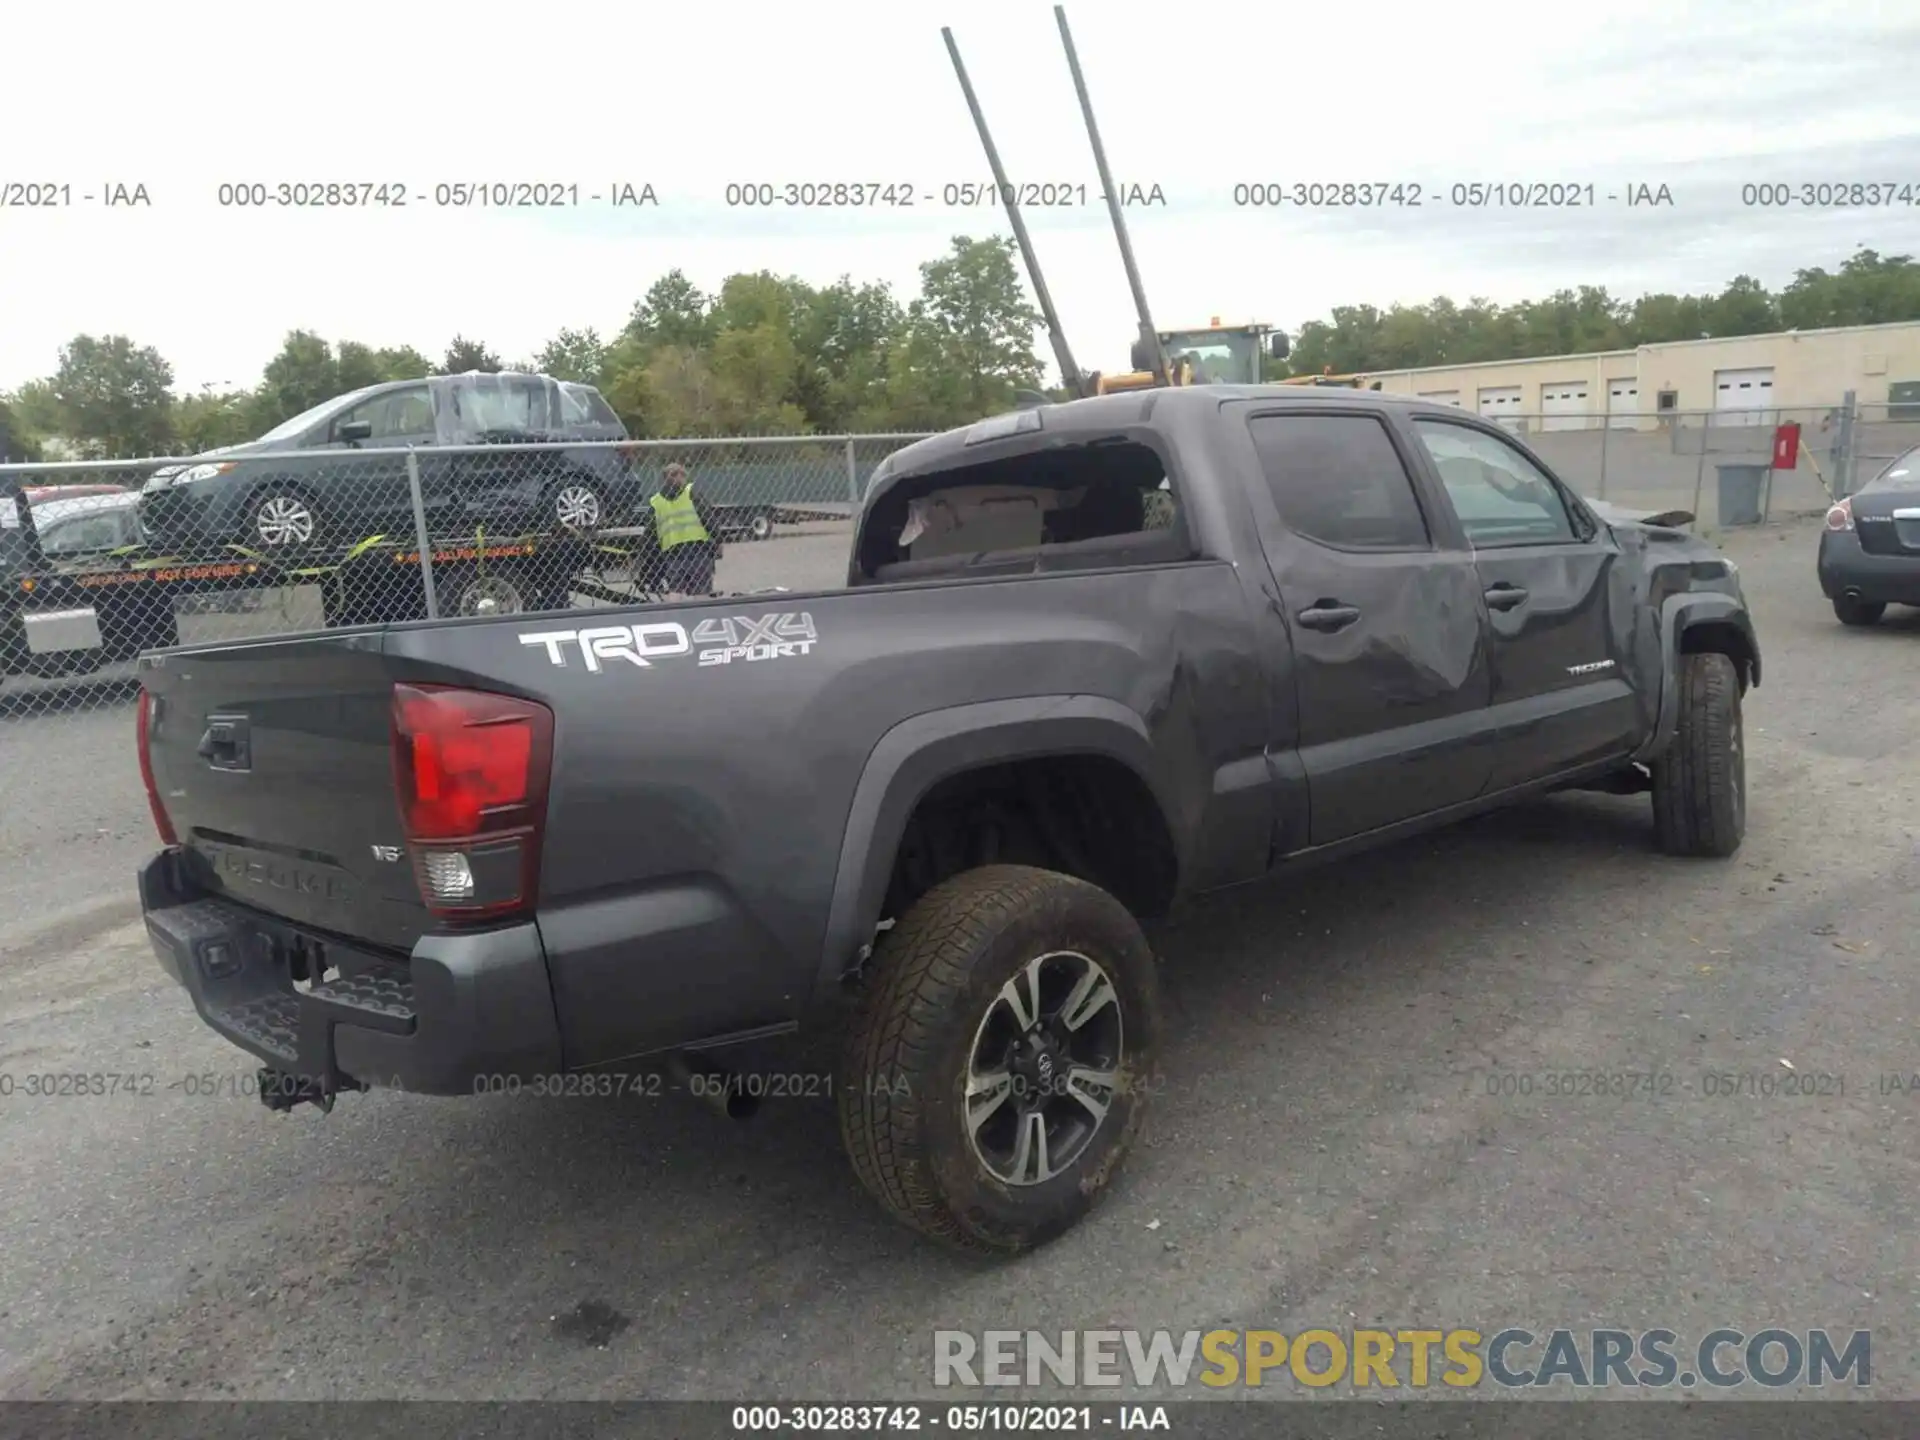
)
(1700, 97)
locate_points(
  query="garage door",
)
(1743, 397)
(1623, 403)
(1442, 397)
(1564, 406)
(1502, 403)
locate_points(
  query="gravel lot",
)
(1327, 1151)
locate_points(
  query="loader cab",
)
(1216, 354)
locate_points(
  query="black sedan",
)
(1870, 550)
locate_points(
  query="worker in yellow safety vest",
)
(684, 529)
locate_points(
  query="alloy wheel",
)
(491, 596)
(284, 520)
(576, 507)
(1044, 1068)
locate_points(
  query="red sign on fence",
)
(1786, 446)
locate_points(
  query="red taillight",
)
(145, 732)
(1840, 517)
(471, 771)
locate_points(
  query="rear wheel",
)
(995, 1076)
(761, 526)
(493, 593)
(1700, 784)
(1852, 610)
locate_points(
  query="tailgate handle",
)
(228, 743)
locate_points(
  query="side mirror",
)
(1141, 357)
(1278, 346)
(353, 431)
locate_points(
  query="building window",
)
(1668, 400)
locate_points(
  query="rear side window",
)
(1337, 480)
(581, 405)
(1902, 474)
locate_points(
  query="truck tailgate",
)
(274, 764)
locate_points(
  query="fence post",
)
(1700, 478)
(420, 533)
(853, 475)
(1843, 447)
(1606, 424)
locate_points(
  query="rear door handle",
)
(1505, 597)
(1328, 615)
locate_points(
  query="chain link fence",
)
(103, 560)
(1700, 461)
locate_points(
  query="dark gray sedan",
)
(1870, 550)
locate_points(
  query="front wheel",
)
(995, 1076)
(576, 505)
(1700, 783)
(761, 526)
(1852, 610)
(283, 520)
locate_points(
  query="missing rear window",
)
(1064, 507)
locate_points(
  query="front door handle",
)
(1505, 597)
(1328, 615)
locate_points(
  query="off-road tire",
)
(1850, 611)
(1700, 783)
(901, 1091)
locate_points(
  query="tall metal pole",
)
(1149, 336)
(1069, 372)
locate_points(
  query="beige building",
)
(1747, 380)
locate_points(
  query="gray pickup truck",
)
(1091, 658)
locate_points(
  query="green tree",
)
(211, 418)
(682, 396)
(974, 324)
(674, 311)
(843, 334)
(1662, 319)
(1868, 289)
(1745, 307)
(402, 362)
(36, 416)
(16, 444)
(303, 374)
(115, 397)
(464, 355)
(578, 355)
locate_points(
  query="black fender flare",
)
(1679, 614)
(921, 751)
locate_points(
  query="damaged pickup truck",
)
(1091, 658)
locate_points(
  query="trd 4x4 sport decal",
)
(719, 640)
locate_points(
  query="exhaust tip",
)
(717, 1088)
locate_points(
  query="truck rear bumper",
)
(460, 1010)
